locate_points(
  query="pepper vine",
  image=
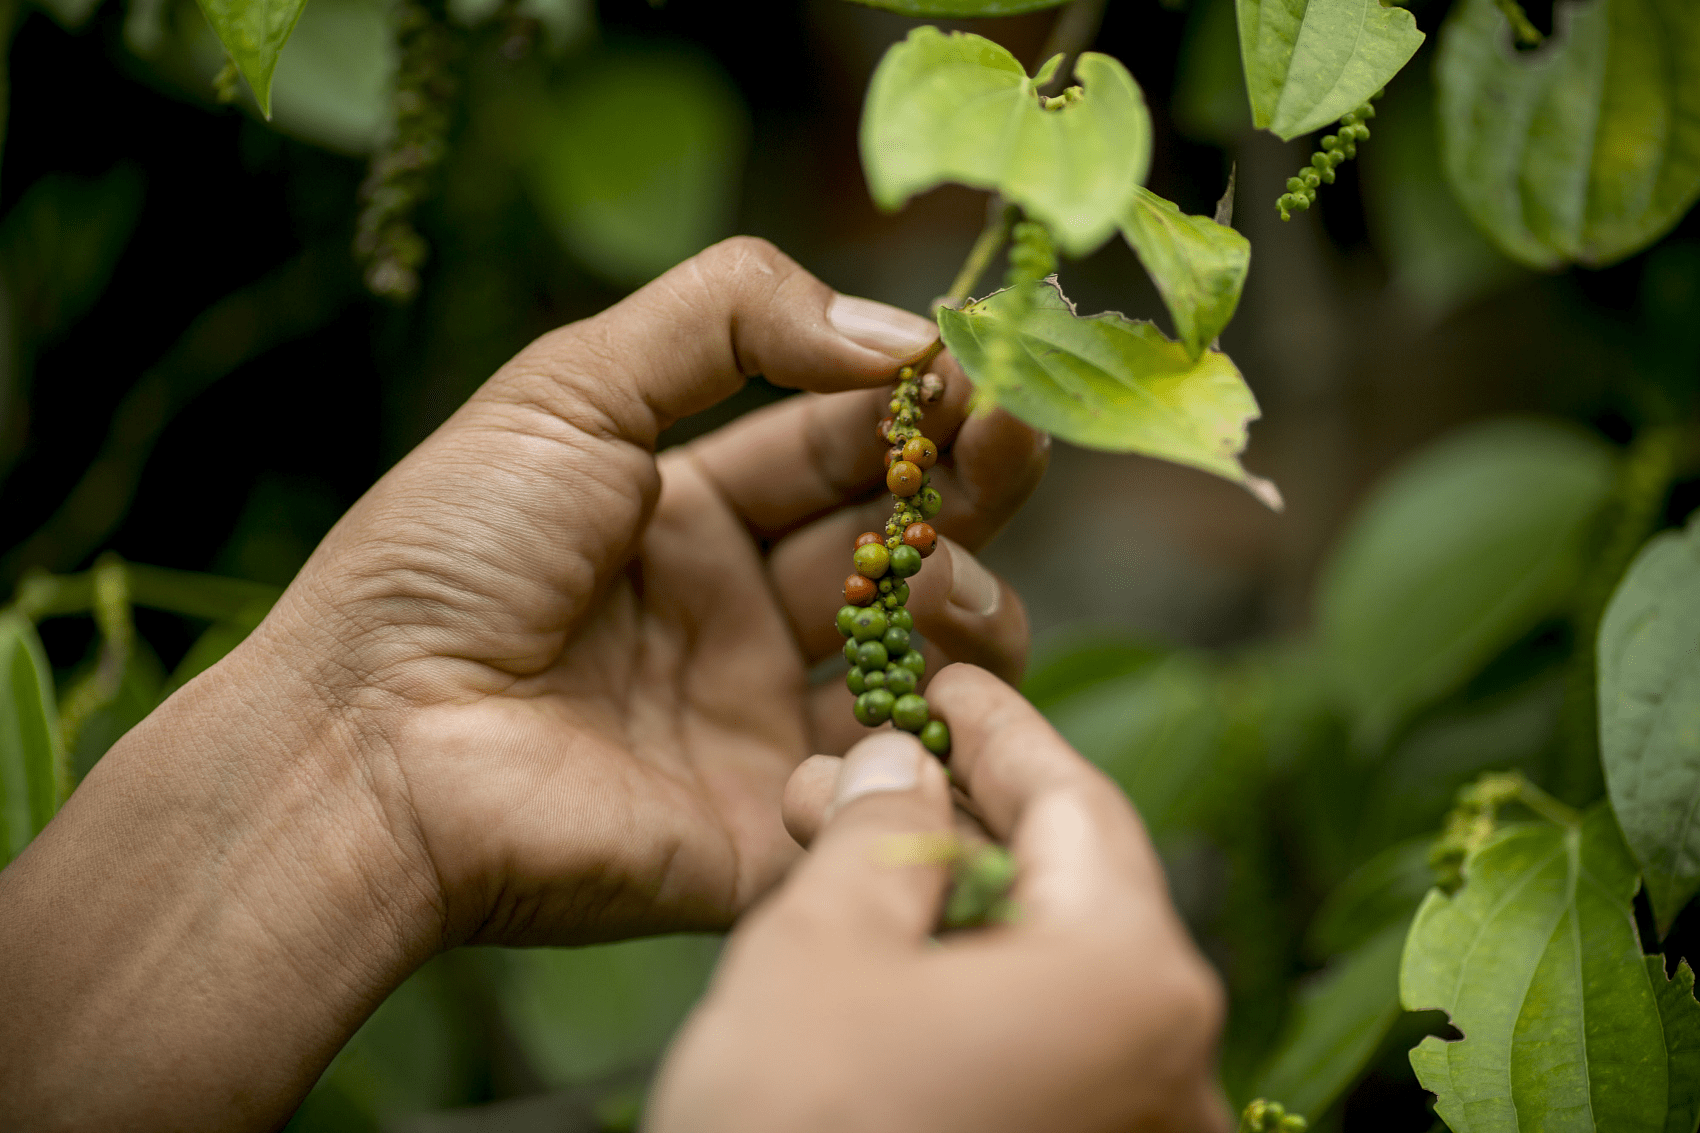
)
(1338, 147)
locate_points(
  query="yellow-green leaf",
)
(1199, 266)
(1307, 62)
(253, 33)
(960, 108)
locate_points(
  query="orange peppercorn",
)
(859, 591)
(892, 454)
(903, 478)
(883, 429)
(867, 537)
(920, 451)
(922, 537)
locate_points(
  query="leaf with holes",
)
(1105, 381)
(1587, 149)
(959, 108)
(1537, 961)
(1307, 62)
(1199, 266)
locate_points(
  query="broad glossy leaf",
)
(1340, 1017)
(961, 9)
(1105, 381)
(1198, 265)
(254, 32)
(638, 161)
(32, 772)
(960, 108)
(1588, 149)
(1307, 62)
(1458, 554)
(1537, 961)
(1649, 689)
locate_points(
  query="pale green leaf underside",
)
(1340, 1018)
(1106, 382)
(254, 32)
(1199, 266)
(960, 9)
(1586, 150)
(1307, 62)
(1649, 691)
(959, 108)
(31, 763)
(1458, 554)
(1537, 962)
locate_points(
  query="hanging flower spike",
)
(1340, 146)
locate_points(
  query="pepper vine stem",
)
(1000, 218)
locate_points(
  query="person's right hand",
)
(832, 1009)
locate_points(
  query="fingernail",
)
(972, 586)
(878, 326)
(890, 761)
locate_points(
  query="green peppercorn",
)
(902, 619)
(855, 682)
(851, 652)
(846, 618)
(899, 681)
(909, 712)
(899, 591)
(914, 662)
(874, 707)
(930, 502)
(871, 655)
(873, 678)
(905, 561)
(872, 559)
(869, 624)
(935, 737)
(896, 641)
(887, 585)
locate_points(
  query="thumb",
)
(876, 869)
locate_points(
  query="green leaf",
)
(1458, 554)
(60, 243)
(1680, 1016)
(1537, 961)
(961, 9)
(1068, 668)
(69, 14)
(1588, 149)
(1649, 690)
(1198, 265)
(332, 87)
(1307, 62)
(253, 33)
(32, 764)
(1338, 1021)
(639, 159)
(1105, 381)
(960, 108)
(1383, 891)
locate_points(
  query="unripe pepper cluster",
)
(885, 666)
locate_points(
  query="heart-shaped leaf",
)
(1650, 716)
(959, 108)
(1199, 266)
(1587, 149)
(1105, 381)
(1537, 961)
(1307, 62)
(254, 32)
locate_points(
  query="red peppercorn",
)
(892, 454)
(903, 478)
(920, 451)
(922, 537)
(867, 537)
(859, 591)
(883, 429)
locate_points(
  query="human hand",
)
(832, 1009)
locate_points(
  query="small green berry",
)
(852, 652)
(930, 502)
(855, 682)
(871, 655)
(872, 679)
(935, 737)
(899, 681)
(887, 585)
(896, 641)
(902, 619)
(905, 561)
(909, 712)
(874, 707)
(914, 662)
(846, 618)
(869, 624)
(899, 591)
(872, 559)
